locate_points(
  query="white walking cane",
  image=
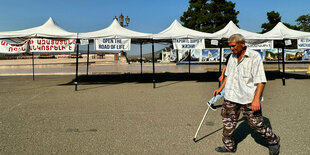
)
(204, 116)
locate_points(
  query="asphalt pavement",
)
(124, 114)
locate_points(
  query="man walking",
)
(244, 83)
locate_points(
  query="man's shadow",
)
(243, 130)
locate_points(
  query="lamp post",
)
(121, 20)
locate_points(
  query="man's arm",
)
(222, 75)
(257, 95)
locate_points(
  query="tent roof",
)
(231, 29)
(115, 30)
(49, 30)
(176, 30)
(280, 32)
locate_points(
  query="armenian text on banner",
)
(188, 43)
(303, 43)
(264, 45)
(111, 44)
(8, 48)
(48, 45)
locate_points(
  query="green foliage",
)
(304, 22)
(209, 15)
(273, 18)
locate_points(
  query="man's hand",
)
(216, 92)
(255, 105)
(221, 78)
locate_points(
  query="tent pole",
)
(77, 66)
(189, 63)
(153, 64)
(220, 64)
(278, 60)
(32, 65)
(87, 59)
(141, 56)
(283, 64)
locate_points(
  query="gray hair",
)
(238, 38)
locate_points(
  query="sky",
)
(148, 16)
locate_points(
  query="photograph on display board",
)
(293, 54)
(184, 55)
(306, 54)
(271, 54)
(173, 55)
(261, 52)
(210, 55)
(226, 52)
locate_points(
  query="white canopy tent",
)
(280, 32)
(48, 30)
(115, 30)
(176, 30)
(231, 29)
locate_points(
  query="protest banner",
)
(188, 44)
(303, 43)
(110, 44)
(264, 45)
(48, 45)
(8, 48)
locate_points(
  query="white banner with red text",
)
(110, 44)
(48, 45)
(8, 48)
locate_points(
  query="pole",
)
(87, 59)
(278, 60)
(283, 64)
(77, 66)
(141, 56)
(220, 65)
(189, 62)
(153, 64)
(32, 65)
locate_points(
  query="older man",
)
(244, 84)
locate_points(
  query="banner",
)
(303, 43)
(8, 48)
(48, 45)
(110, 44)
(188, 43)
(264, 45)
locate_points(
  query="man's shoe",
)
(274, 149)
(223, 149)
(212, 107)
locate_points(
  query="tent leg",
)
(87, 60)
(32, 65)
(220, 65)
(77, 67)
(153, 59)
(283, 64)
(189, 63)
(141, 56)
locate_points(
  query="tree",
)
(274, 18)
(304, 22)
(209, 15)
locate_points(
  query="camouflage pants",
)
(230, 114)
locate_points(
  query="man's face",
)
(235, 47)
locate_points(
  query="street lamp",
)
(121, 20)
